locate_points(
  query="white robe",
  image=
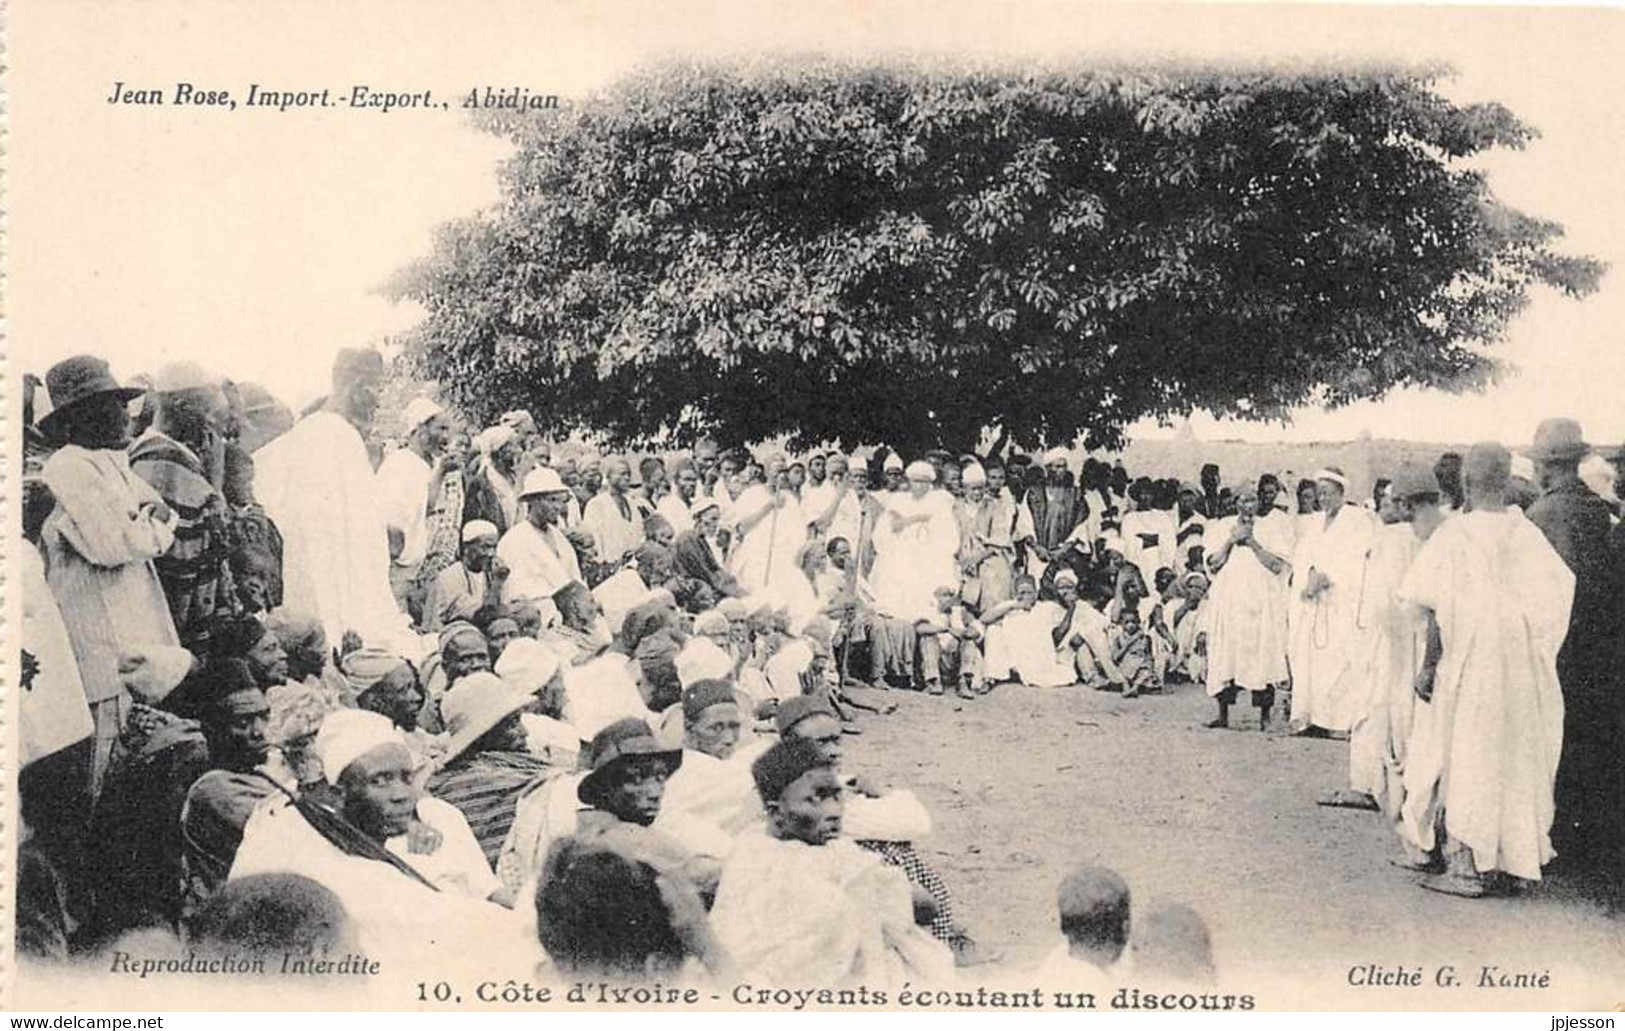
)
(676, 511)
(797, 915)
(1023, 642)
(538, 562)
(912, 563)
(1396, 639)
(1246, 609)
(764, 557)
(393, 915)
(613, 534)
(1484, 751)
(1325, 648)
(1149, 558)
(847, 520)
(317, 485)
(403, 492)
(54, 712)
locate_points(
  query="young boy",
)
(949, 647)
(1131, 651)
(1093, 904)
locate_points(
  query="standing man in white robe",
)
(409, 483)
(1246, 610)
(1393, 642)
(1483, 758)
(1328, 568)
(677, 504)
(769, 533)
(317, 485)
(832, 506)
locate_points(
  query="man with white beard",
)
(1324, 642)
(1482, 762)
(1395, 634)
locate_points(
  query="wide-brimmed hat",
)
(542, 480)
(474, 705)
(1557, 439)
(75, 380)
(616, 745)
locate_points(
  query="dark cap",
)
(794, 710)
(702, 694)
(784, 764)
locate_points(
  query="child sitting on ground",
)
(1131, 651)
(1093, 904)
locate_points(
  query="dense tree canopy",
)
(906, 255)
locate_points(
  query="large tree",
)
(908, 255)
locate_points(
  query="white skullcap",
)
(348, 734)
(1115, 544)
(419, 410)
(542, 480)
(703, 504)
(477, 528)
(894, 461)
(492, 440)
(1333, 476)
(974, 475)
(1066, 576)
(177, 376)
(527, 664)
(1056, 454)
(702, 659)
(921, 470)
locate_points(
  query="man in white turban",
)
(360, 835)
(470, 584)
(916, 544)
(1325, 645)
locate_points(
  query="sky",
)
(255, 241)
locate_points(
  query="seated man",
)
(710, 799)
(487, 768)
(800, 905)
(1021, 641)
(354, 835)
(949, 647)
(1094, 909)
(624, 790)
(886, 823)
(469, 585)
(220, 802)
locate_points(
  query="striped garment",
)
(486, 787)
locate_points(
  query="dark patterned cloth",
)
(901, 854)
(486, 789)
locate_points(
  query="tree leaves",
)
(901, 254)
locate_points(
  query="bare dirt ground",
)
(1027, 782)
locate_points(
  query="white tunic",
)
(538, 562)
(317, 485)
(1325, 653)
(1246, 610)
(1485, 749)
(911, 563)
(403, 491)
